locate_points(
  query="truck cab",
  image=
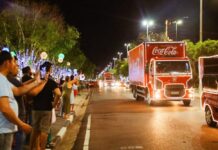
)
(170, 79)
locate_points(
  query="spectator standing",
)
(72, 97)
(27, 73)
(20, 135)
(42, 110)
(67, 91)
(8, 106)
(27, 76)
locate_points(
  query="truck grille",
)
(174, 90)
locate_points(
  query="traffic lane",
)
(152, 130)
(127, 124)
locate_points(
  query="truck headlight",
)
(157, 94)
(118, 83)
(190, 93)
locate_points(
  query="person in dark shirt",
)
(42, 110)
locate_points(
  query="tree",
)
(194, 51)
(88, 68)
(40, 27)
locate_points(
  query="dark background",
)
(105, 25)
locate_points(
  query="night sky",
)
(105, 25)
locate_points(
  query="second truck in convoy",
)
(160, 71)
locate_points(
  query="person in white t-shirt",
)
(8, 106)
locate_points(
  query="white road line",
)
(87, 136)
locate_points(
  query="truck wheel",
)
(148, 98)
(186, 102)
(134, 93)
(208, 118)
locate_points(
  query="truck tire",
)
(186, 102)
(148, 98)
(208, 117)
(134, 92)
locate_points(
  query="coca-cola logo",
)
(167, 51)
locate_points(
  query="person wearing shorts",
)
(43, 102)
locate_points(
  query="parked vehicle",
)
(208, 88)
(160, 71)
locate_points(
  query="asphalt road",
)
(115, 121)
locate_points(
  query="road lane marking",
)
(131, 147)
(87, 136)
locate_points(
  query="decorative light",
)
(13, 53)
(60, 60)
(61, 56)
(43, 55)
(68, 63)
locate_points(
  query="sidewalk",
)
(59, 128)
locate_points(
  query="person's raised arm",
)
(18, 91)
(35, 91)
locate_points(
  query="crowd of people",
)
(26, 105)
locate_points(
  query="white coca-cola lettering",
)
(167, 51)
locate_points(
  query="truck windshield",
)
(108, 78)
(172, 67)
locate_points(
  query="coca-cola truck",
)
(160, 71)
(208, 88)
(108, 79)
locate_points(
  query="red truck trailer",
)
(208, 88)
(160, 71)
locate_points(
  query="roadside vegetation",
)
(39, 27)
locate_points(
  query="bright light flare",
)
(147, 23)
(157, 94)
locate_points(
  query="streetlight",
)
(147, 24)
(177, 22)
(201, 21)
(114, 58)
(127, 48)
(120, 54)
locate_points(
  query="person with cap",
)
(42, 109)
(9, 120)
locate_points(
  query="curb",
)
(59, 136)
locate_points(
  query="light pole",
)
(114, 59)
(120, 54)
(177, 22)
(127, 48)
(201, 21)
(147, 24)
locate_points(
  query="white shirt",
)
(6, 91)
